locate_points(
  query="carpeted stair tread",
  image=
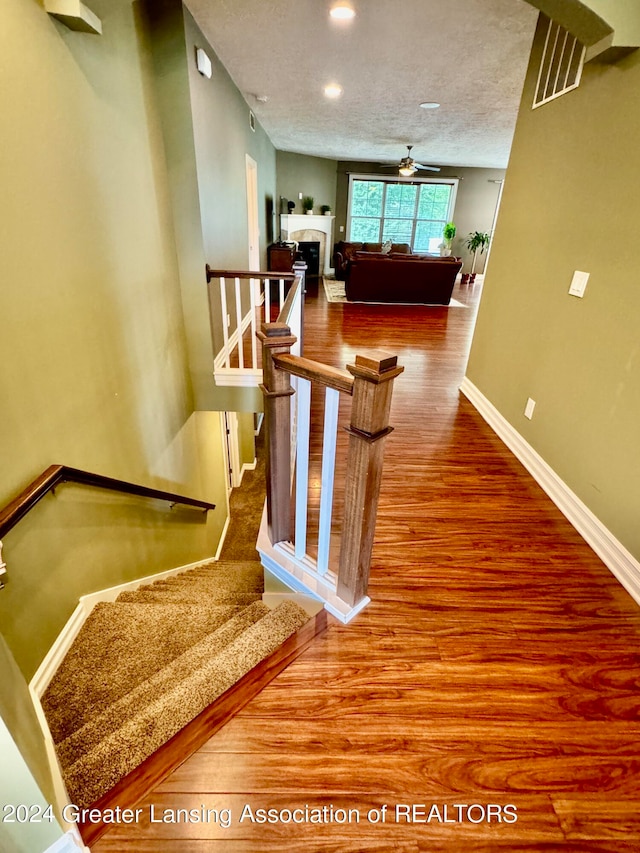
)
(116, 715)
(99, 667)
(98, 770)
(179, 595)
(244, 571)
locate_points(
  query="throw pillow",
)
(386, 247)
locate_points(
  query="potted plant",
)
(307, 204)
(448, 233)
(477, 240)
(325, 209)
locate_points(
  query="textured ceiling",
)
(468, 55)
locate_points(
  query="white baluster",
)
(281, 300)
(254, 290)
(331, 405)
(239, 324)
(303, 420)
(225, 330)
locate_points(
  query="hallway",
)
(497, 664)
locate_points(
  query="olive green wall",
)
(223, 137)
(476, 200)
(207, 137)
(571, 202)
(93, 346)
(314, 176)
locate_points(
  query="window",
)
(560, 66)
(413, 211)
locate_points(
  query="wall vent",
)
(560, 66)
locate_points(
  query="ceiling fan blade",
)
(427, 168)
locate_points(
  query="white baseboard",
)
(612, 552)
(67, 843)
(248, 466)
(223, 535)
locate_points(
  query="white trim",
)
(66, 844)
(253, 217)
(234, 449)
(231, 342)
(356, 176)
(234, 377)
(302, 575)
(248, 466)
(622, 564)
(223, 535)
(539, 97)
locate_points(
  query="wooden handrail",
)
(287, 276)
(13, 512)
(315, 371)
(285, 312)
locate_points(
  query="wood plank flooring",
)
(496, 665)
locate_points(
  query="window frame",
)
(385, 181)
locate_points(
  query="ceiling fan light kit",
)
(342, 12)
(407, 167)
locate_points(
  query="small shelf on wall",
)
(75, 15)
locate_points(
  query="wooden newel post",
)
(372, 389)
(276, 339)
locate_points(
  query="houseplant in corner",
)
(476, 240)
(307, 204)
(448, 233)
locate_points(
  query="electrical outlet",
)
(579, 283)
(342, 229)
(528, 409)
(299, 196)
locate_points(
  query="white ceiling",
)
(469, 55)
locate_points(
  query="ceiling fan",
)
(408, 166)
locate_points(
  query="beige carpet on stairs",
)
(144, 666)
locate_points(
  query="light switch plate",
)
(528, 409)
(579, 283)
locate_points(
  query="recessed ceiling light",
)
(333, 90)
(342, 12)
(429, 105)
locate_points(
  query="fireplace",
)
(310, 251)
(310, 228)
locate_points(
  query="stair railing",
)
(54, 475)
(242, 299)
(282, 543)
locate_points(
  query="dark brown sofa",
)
(344, 252)
(413, 279)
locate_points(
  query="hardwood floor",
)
(497, 664)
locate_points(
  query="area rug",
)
(334, 291)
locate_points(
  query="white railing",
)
(300, 540)
(239, 300)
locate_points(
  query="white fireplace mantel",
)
(291, 223)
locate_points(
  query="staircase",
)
(145, 665)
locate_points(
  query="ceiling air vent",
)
(560, 66)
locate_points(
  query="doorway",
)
(253, 222)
